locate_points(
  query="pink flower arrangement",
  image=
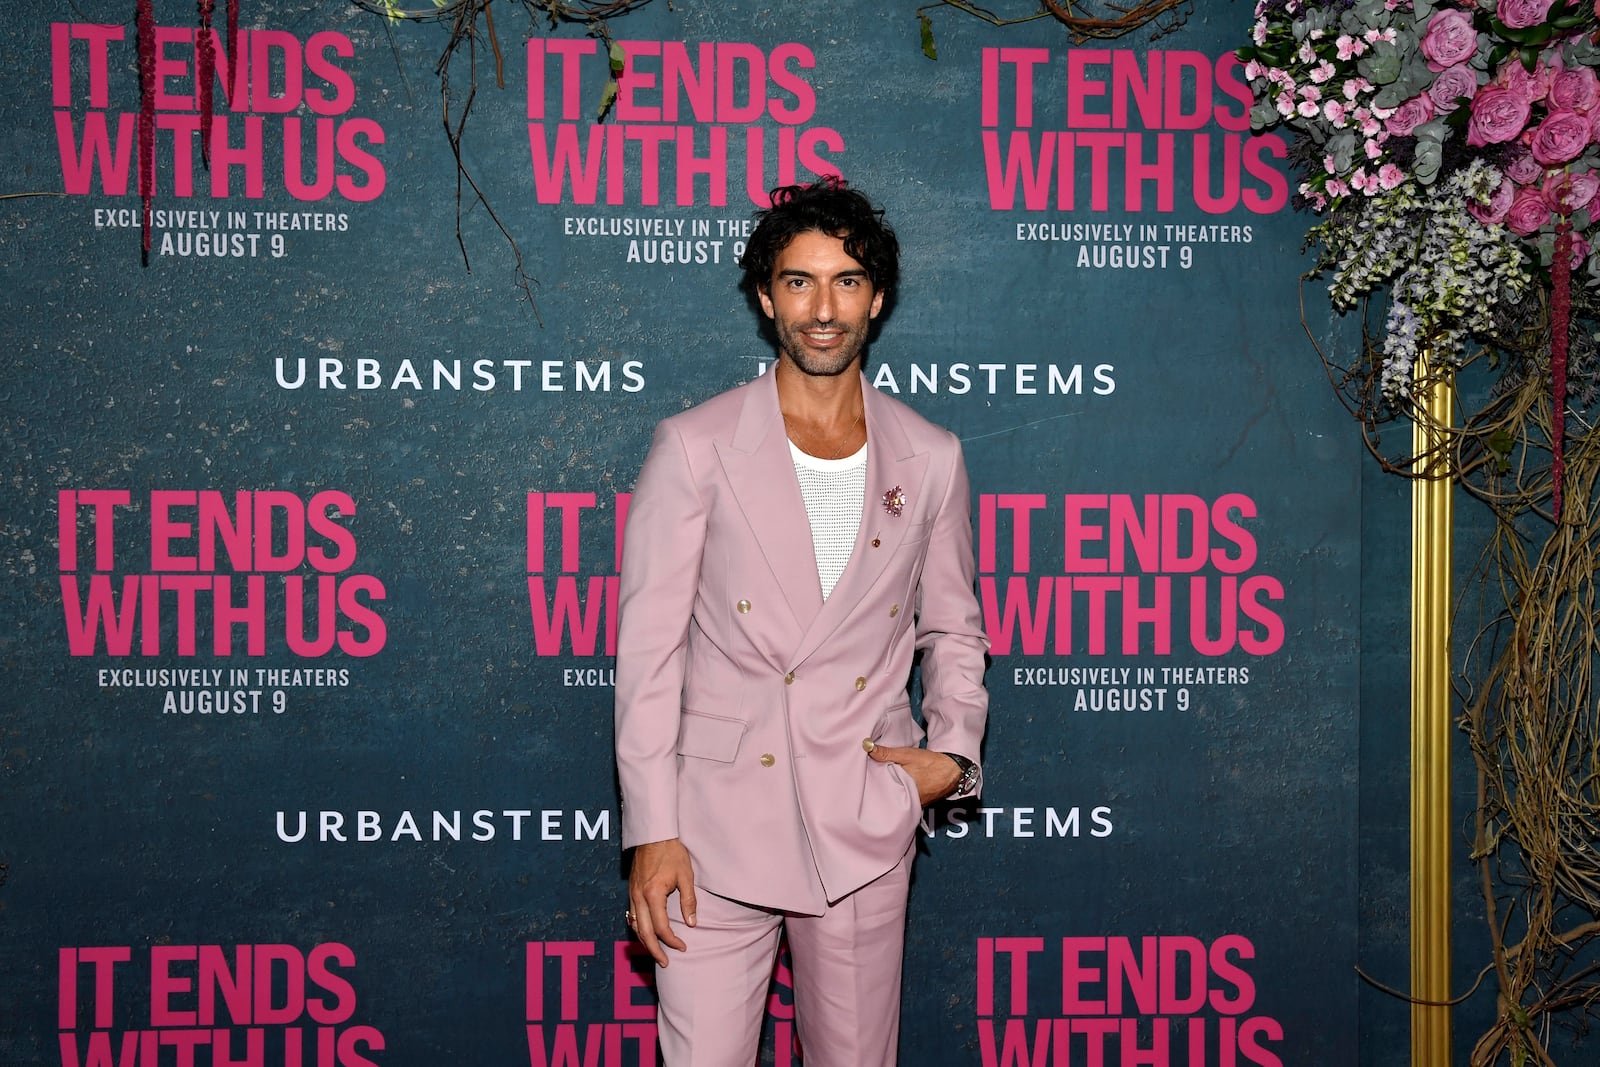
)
(1531, 101)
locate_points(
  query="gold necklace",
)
(837, 448)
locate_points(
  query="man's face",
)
(821, 302)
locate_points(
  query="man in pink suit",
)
(790, 544)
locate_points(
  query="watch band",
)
(969, 775)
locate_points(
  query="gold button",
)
(767, 759)
(861, 683)
(788, 679)
(868, 744)
(894, 609)
(744, 607)
(876, 542)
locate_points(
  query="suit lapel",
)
(761, 472)
(891, 463)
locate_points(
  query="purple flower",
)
(1528, 212)
(1524, 169)
(1452, 84)
(1498, 115)
(1498, 206)
(1409, 115)
(1520, 14)
(1450, 39)
(1569, 193)
(1575, 90)
(1561, 137)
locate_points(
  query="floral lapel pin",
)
(894, 501)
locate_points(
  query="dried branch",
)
(1079, 17)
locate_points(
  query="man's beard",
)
(829, 364)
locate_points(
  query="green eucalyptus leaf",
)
(1381, 65)
(1390, 96)
(1263, 116)
(1343, 150)
(619, 58)
(608, 96)
(930, 49)
(1434, 130)
(1426, 163)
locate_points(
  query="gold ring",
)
(628, 917)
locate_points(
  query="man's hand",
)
(658, 868)
(934, 773)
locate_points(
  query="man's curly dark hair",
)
(825, 206)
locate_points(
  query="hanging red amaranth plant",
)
(205, 65)
(145, 19)
(233, 43)
(204, 74)
(1560, 321)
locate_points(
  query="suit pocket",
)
(917, 531)
(713, 737)
(897, 728)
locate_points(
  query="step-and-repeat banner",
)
(311, 525)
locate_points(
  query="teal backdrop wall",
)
(310, 533)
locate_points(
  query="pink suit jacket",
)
(742, 697)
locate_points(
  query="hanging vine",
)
(1084, 21)
(471, 27)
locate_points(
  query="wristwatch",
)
(969, 775)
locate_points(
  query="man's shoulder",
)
(919, 429)
(707, 418)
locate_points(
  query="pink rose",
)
(1528, 212)
(1450, 39)
(1520, 14)
(1498, 206)
(1530, 86)
(1569, 193)
(1409, 115)
(1561, 137)
(1575, 90)
(1498, 115)
(1452, 84)
(1524, 169)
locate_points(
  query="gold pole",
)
(1430, 724)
